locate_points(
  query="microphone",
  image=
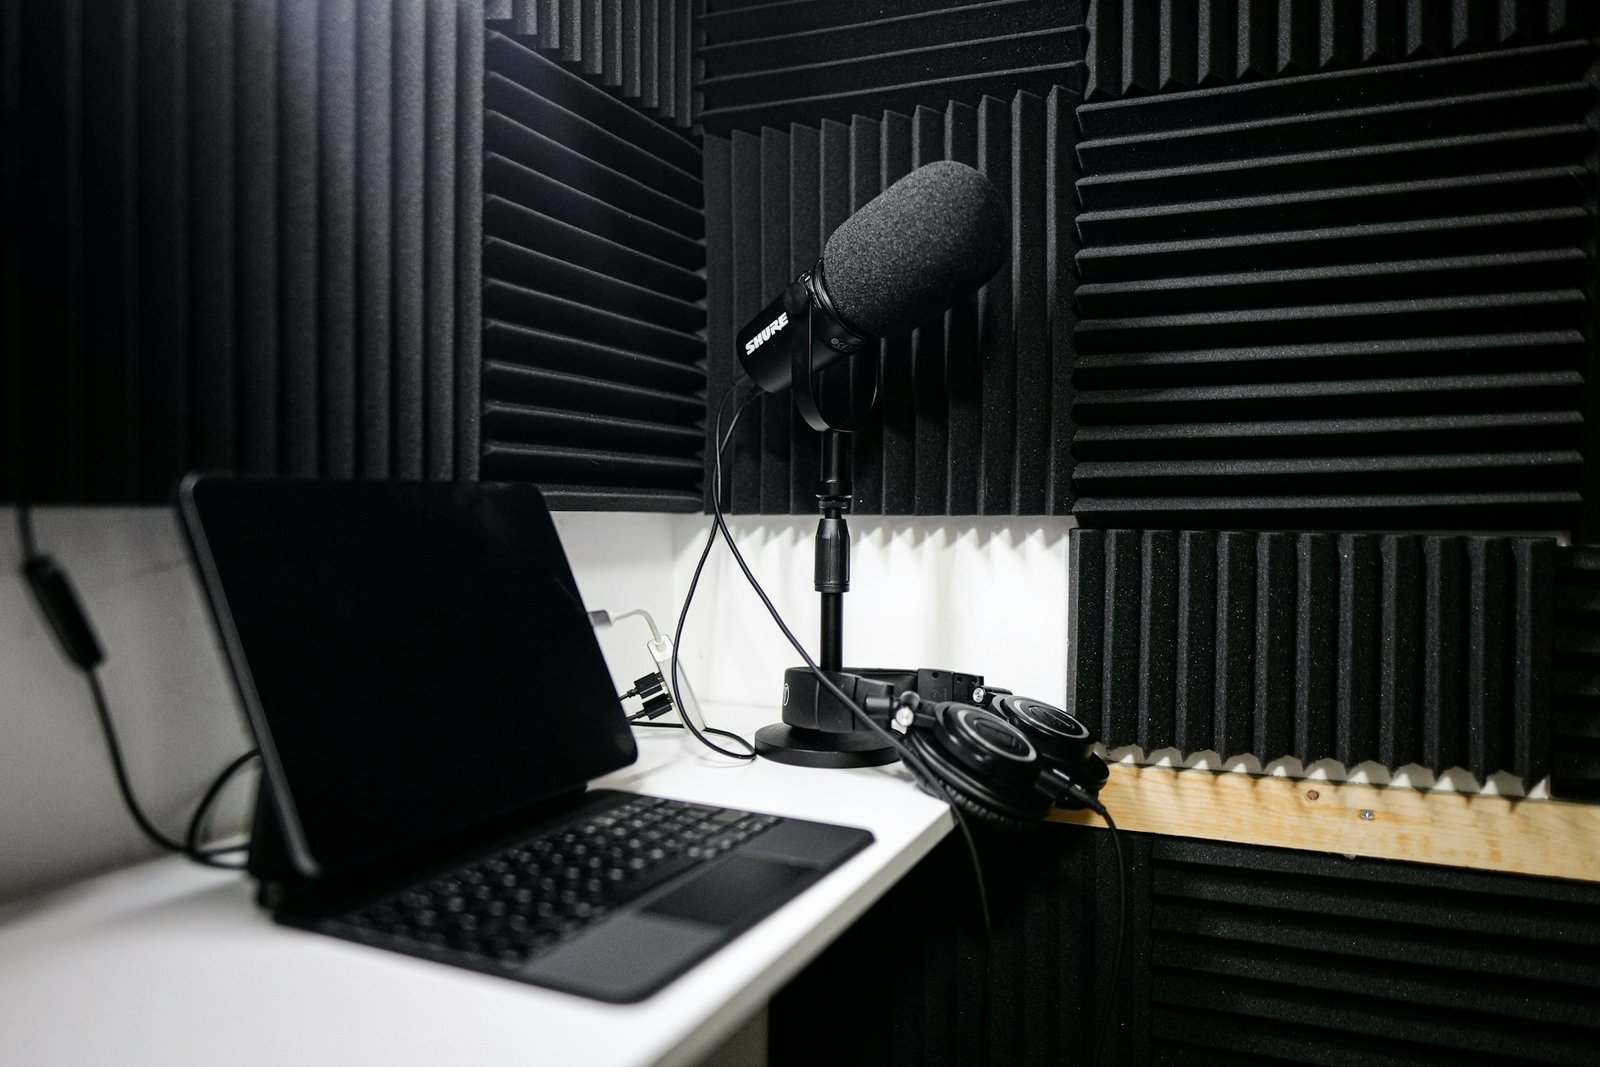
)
(911, 252)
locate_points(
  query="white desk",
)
(168, 963)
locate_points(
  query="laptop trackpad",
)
(633, 954)
(728, 892)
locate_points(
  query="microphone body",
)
(802, 316)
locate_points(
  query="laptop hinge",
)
(281, 886)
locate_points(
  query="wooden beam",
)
(1539, 837)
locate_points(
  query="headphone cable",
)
(721, 442)
(190, 847)
(1092, 802)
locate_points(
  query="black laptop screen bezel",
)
(329, 841)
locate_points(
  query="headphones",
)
(1003, 759)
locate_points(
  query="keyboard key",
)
(539, 892)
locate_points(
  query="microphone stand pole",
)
(834, 493)
(816, 730)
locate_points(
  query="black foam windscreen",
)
(1355, 299)
(916, 248)
(237, 236)
(592, 256)
(1390, 648)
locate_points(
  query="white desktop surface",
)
(169, 963)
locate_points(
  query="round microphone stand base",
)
(801, 747)
(818, 731)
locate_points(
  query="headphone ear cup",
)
(983, 813)
(1011, 811)
(1064, 741)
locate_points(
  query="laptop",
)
(431, 705)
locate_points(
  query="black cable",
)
(189, 848)
(711, 539)
(1090, 801)
(680, 726)
(634, 720)
(202, 856)
(30, 549)
(119, 768)
(1122, 923)
(197, 823)
(911, 760)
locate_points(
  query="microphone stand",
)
(816, 731)
(834, 495)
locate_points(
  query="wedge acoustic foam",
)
(1146, 46)
(639, 50)
(1234, 954)
(1386, 648)
(593, 373)
(1360, 299)
(772, 64)
(1575, 770)
(238, 236)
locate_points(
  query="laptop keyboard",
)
(530, 897)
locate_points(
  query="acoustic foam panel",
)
(1354, 299)
(1389, 648)
(920, 985)
(972, 411)
(239, 236)
(1575, 770)
(1234, 954)
(1146, 46)
(593, 374)
(1254, 954)
(642, 51)
(772, 64)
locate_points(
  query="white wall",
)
(171, 699)
(60, 815)
(622, 562)
(984, 596)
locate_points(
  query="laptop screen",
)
(414, 657)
